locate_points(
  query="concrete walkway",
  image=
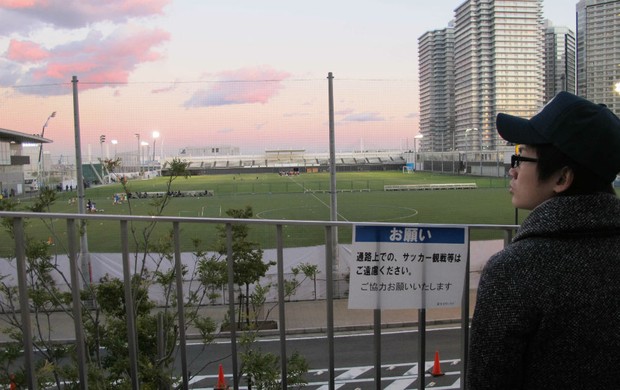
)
(309, 316)
(300, 317)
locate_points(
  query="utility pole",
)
(84, 254)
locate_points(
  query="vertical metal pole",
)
(480, 140)
(231, 304)
(84, 254)
(132, 339)
(332, 170)
(329, 258)
(41, 176)
(178, 269)
(281, 305)
(377, 344)
(24, 304)
(422, 348)
(161, 351)
(516, 216)
(465, 315)
(101, 141)
(77, 309)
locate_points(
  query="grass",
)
(275, 197)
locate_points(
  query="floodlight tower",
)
(40, 162)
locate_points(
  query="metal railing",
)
(77, 278)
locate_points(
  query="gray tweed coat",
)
(548, 307)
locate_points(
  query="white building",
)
(13, 180)
(499, 52)
(436, 73)
(598, 52)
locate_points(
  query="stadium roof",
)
(20, 138)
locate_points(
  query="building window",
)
(5, 153)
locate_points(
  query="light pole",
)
(467, 147)
(114, 142)
(101, 142)
(40, 163)
(155, 136)
(145, 155)
(139, 148)
(415, 151)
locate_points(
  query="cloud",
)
(95, 59)
(241, 86)
(413, 115)
(344, 112)
(71, 14)
(22, 51)
(295, 114)
(364, 117)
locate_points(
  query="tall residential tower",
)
(559, 60)
(436, 64)
(499, 61)
(598, 52)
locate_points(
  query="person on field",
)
(547, 313)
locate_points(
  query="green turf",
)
(303, 197)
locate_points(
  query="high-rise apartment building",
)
(499, 52)
(598, 51)
(436, 72)
(559, 60)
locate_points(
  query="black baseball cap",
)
(586, 132)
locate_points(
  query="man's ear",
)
(564, 180)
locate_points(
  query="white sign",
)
(413, 267)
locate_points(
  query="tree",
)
(262, 369)
(247, 257)
(310, 271)
(105, 314)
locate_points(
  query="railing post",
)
(178, 269)
(329, 258)
(132, 338)
(421, 348)
(377, 345)
(465, 314)
(24, 304)
(77, 304)
(281, 305)
(231, 304)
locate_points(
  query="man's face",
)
(526, 189)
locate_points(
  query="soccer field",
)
(361, 198)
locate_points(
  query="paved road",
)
(394, 377)
(355, 359)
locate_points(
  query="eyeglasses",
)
(517, 159)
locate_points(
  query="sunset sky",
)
(204, 73)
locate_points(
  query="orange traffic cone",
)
(436, 366)
(221, 381)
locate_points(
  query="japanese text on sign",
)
(407, 267)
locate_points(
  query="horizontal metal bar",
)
(235, 221)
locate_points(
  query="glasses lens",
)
(514, 161)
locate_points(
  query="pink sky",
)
(243, 73)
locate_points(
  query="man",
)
(547, 313)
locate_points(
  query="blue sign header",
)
(410, 234)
